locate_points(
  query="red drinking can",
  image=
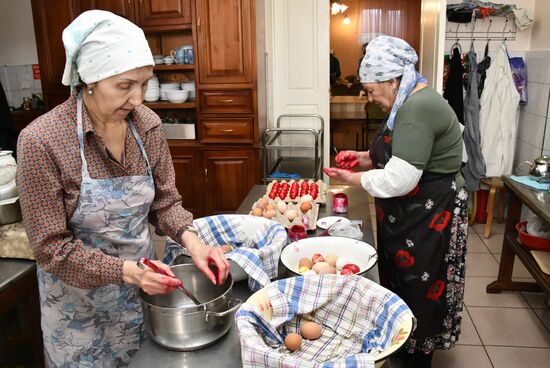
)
(340, 203)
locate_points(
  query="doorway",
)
(352, 121)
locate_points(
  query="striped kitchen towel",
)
(359, 319)
(257, 244)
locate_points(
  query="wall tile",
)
(546, 143)
(538, 67)
(525, 152)
(24, 77)
(531, 129)
(3, 77)
(537, 102)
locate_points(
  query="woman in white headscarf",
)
(413, 171)
(93, 172)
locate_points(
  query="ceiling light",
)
(346, 20)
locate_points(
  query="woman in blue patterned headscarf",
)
(413, 171)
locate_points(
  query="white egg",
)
(281, 206)
(306, 198)
(341, 262)
(309, 272)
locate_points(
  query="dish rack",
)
(297, 151)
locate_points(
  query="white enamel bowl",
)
(358, 252)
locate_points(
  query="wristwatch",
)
(191, 229)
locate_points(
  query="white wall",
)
(17, 42)
(541, 29)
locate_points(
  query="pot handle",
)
(225, 313)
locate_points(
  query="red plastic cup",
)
(297, 232)
(340, 203)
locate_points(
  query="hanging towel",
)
(519, 73)
(497, 118)
(474, 170)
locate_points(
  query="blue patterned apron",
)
(100, 327)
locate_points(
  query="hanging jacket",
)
(498, 127)
(453, 89)
(482, 69)
(474, 170)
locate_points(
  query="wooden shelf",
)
(174, 67)
(169, 106)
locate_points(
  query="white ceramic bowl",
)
(362, 254)
(189, 86)
(177, 96)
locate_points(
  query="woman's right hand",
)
(350, 159)
(148, 280)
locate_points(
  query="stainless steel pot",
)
(176, 323)
(10, 211)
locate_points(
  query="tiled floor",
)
(504, 330)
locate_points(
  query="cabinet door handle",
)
(227, 100)
(226, 130)
(198, 23)
(206, 175)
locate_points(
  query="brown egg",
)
(327, 270)
(226, 248)
(269, 213)
(331, 259)
(310, 330)
(269, 207)
(257, 211)
(305, 262)
(317, 267)
(262, 202)
(306, 206)
(293, 341)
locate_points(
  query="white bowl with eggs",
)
(353, 251)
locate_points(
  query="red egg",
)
(352, 267)
(317, 257)
(346, 272)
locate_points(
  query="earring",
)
(394, 91)
(90, 91)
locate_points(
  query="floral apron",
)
(100, 327)
(422, 248)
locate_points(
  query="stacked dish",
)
(159, 59)
(190, 86)
(168, 87)
(153, 91)
(177, 95)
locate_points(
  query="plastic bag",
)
(538, 227)
(346, 230)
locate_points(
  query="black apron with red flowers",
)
(421, 245)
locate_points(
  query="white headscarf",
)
(99, 44)
(387, 58)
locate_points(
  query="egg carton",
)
(309, 218)
(321, 197)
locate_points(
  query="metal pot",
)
(176, 323)
(540, 168)
(10, 211)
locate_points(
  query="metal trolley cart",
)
(292, 152)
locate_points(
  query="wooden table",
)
(537, 201)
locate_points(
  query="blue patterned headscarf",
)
(387, 58)
(99, 44)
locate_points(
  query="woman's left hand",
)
(344, 175)
(204, 256)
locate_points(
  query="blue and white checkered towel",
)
(258, 243)
(358, 319)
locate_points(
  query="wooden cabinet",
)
(50, 19)
(124, 8)
(189, 178)
(164, 14)
(148, 14)
(225, 38)
(230, 175)
(213, 181)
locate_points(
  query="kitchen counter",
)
(226, 352)
(18, 283)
